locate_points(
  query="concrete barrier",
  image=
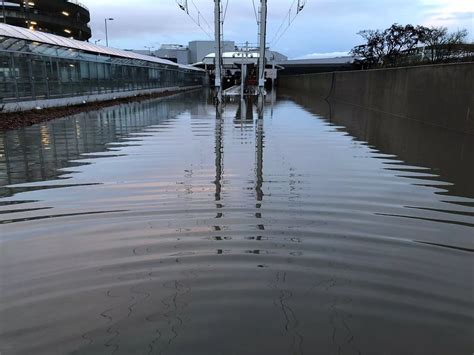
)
(449, 153)
(77, 100)
(439, 95)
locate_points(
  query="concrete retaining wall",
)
(440, 95)
(76, 100)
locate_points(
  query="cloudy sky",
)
(324, 27)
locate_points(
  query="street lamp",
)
(97, 41)
(106, 34)
(149, 48)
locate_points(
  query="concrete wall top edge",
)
(390, 69)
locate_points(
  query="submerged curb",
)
(15, 120)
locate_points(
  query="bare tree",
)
(373, 51)
(397, 45)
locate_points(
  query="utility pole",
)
(218, 49)
(106, 31)
(262, 40)
(243, 72)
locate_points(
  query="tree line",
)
(409, 45)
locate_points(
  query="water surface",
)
(163, 227)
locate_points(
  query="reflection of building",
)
(40, 152)
(67, 18)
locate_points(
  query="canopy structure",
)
(231, 58)
(47, 38)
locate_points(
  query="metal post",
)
(27, 10)
(274, 75)
(149, 49)
(106, 32)
(218, 49)
(13, 74)
(262, 40)
(243, 74)
(3, 10)
(242, 77)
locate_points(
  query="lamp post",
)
(106, 34)
(149, 49)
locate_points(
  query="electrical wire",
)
(186, 9)
(278, 35)
(255, 11)
(287, 15)
(200, 14)
(225, 11)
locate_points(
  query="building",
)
(242, 66)
(316, 65)
(278, 57)
(200, 49)
(194, 52)
(67, 18)
(197, 51)
(174, 52)
(43, 66)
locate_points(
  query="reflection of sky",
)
(324, 25)
(289, 161)
(263, 230)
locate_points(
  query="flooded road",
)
(162, 228)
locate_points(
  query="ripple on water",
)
(155, 228)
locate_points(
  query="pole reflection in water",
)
(167, 227)
(219, 155)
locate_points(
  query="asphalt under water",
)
(161, 227)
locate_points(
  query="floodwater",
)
(162, 227)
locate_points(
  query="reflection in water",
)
(446, 153)
(42, 152)
(218, 152)
(168, 227)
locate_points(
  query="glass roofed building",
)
(36, 65)
(68, 18)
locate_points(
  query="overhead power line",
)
(255, 11)
(202, 17)
(225, 11)
(288, 19)
(183, 5)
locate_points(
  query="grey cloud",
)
(323, 26)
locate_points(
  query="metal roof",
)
(230, 58)
(235, 55)
(41, 37)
